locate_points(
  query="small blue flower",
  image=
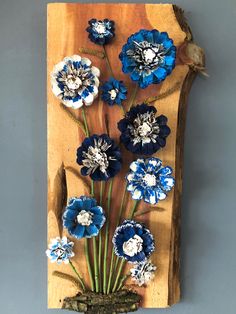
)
(143, 272)
(113, 92)
(101, 32)
(60, 250)
(133, 241)
(75, 81)
(142, 132)
(100, 157)
(83, 218)
(149, 181)
(149, 56)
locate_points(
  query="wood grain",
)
(66, 34)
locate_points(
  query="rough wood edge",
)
(194, 66)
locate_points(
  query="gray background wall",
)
(208, 270)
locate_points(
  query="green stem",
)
(112, 269)
(107, 61)
(118, 274)
(133, 209)
(92, 188)
(123, 279)
(85, 121)
(78, 275)
(95, 264)
(106, 238)
(80, 124)
(132, 97)
(100, 241)
(86, 248)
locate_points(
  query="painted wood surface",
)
(66, 34)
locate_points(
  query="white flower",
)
(143, 272)
(75, 81)
(60, 250)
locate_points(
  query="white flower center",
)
(85, 218)
(113, 93)
(144, 129)
(73, 82)
(149, 55)
(59, 252)
(150, 179)
(100, 28)
(133, 245)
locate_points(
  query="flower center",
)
(113, 93)
(73, 82)
(133, 246)
(84, 218)
(96, 157)
(150, 179)
(100, 28)
(149, 55)
(144, 129)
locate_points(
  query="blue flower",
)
(113, 92)
(75, 81)
(133, 241)
(142, 132)
(148, 180)
(60, 250)
(100, 157)
(83, 218)
(143, 272)
(101, 32)
(149, 56)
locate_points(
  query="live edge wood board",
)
(66, 34)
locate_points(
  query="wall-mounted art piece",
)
(118, 80)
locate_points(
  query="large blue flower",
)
(75, 81)
(83, 218)
(101, 32)
(142, 132)
(100, 157)
(149, 181)
(113, 92)
(149, 56)
(60, 250)
(133, 241)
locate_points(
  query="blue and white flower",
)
(75, 81)
(142, 132)
(83, 218)
(101, 32)
(148, 56)
(133, 241)
(149, 181)
(142, 273)
(60, 250)
(113, 92)
(100, 157)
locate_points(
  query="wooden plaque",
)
(66, 36)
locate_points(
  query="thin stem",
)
(106, 238)
(100, 241)
(118, 274)
(80, 124)
(112, 269)
(86, 248)
(78, 275)
(133, 209)
(92, 187)
(149, 100)
(85, 121)
(70, 278)
(132, 97)
(107, 61)
(95, 264)
(123, 279)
